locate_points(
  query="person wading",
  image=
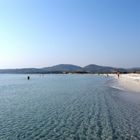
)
(28, 77)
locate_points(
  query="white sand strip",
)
(129, 81)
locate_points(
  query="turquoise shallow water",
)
(66, 107)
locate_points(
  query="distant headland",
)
(69, 68)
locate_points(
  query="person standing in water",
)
(28, 77)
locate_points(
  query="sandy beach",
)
(129, 81)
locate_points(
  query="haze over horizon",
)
(42, 33)
(59, 65)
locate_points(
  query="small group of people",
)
(117, 73)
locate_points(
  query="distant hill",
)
(134, 70)
(21, 71)
(66, 68)
(99, 69)
(63, 68)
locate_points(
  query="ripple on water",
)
(61, 107)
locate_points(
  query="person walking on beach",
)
(118, 74)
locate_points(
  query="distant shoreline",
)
(71, 69)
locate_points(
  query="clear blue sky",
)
(40, 33)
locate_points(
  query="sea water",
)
(67, 107)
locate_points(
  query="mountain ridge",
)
(70, 68)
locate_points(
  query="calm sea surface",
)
(67, 107)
